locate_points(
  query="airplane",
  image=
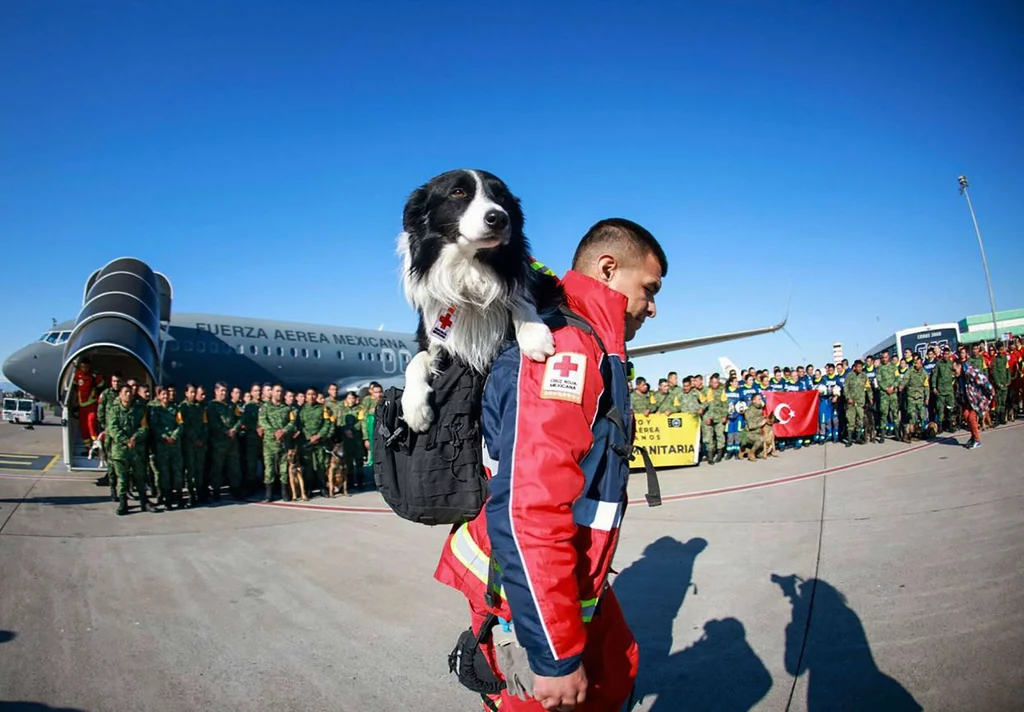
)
(125, 325)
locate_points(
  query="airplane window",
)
(266, 350)
(341, 355)
(254, 350)
(200, 347)
(292, 350)
(316, 353)
(51, 338)
(360, 355)
(213, 348)
(43, 337)
(64, 335)
(241, 349)
(280, 351)
(305, 353)
(187, 346)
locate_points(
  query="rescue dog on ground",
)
(768, 448)
(466, 269)
(337, 474)
(296, 478)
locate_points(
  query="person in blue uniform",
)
(734, 425)
(829, 416)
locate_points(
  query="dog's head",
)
(468, 220)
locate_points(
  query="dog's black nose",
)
(496, 219)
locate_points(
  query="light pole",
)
(984, 263)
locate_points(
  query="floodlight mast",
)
(964, 185)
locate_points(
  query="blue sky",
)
(259, 154)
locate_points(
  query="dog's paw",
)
(416, 410)
(535, 340)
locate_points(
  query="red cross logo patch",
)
(564, 376)
(442, 328)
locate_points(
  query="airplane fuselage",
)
(206, 348)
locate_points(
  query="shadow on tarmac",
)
(58, 501)
(834, 652)
(6, 636)
(33, 707)
(720, 671)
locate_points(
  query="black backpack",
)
(437, 477)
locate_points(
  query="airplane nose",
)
(24, 369)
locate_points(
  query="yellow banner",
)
(671, 440)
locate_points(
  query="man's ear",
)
(606, 267)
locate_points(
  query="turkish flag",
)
(796, 414)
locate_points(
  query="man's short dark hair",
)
(687, 380)
(715, 375)
(662, 382)
(635, 240)
(673, 373)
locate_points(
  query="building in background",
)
(979, 327)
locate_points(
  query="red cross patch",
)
(442, 328)
(564, 376)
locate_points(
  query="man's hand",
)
(315, 439)
(278, 434)
(131, 442)
(231, 433)
(561, 693)
(259, 431)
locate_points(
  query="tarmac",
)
(910, 592)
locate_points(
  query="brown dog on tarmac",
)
(295, 475)
(337, 476)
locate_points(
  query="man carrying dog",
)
(558, 472)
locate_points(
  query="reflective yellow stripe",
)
(542, 268)
(473, 558)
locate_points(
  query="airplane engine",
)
(125, 307)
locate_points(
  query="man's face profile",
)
(639, 283)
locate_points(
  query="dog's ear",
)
(415, 209)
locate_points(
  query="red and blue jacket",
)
(558, 488)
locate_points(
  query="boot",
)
(721, 454)
(143, 502)
(113, 490)
(236, 494)
(122, 507)
(710, 457)
(216, 494)
(103, 481)
(269, 497)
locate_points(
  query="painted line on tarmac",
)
(326, 507)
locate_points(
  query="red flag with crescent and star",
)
(796, 414)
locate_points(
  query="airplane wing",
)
(666, 346)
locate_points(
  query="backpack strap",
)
(608, 409)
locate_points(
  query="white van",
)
(23, 411)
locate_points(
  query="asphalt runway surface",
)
(908, 591)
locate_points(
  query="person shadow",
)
(834, 652)
(720, 671)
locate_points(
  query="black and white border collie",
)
(467, 271)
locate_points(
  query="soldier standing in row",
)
(663, 401)
(314, 425)
(127, 427)
(641, 398)
(689, 399)
(276, 427)
(223, 420)
(107, 399)
(888, 396)
(917, 396)
(714, 413)
(855, 391)
(1001, 382)
(166, 426)
(350, 426)
(193, 443)
(250, 441)
(942, 388)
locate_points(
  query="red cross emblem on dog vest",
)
(565, 366)
(442, 328)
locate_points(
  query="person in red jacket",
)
(558, 469)
(88, 385)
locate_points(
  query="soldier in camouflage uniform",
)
(166, 427)
(1001, 382)
(888, 395)
(978, 359)
(640, 398)
(223, 419)
(369, 406)
(689, 399)
(127, 427)
(107, 398)
(663, 401)
(752, 439)
(144, 454)
(917, 396)
(855, 391)
(942, 383)
(314, 427)
(276, 427)
(250, 441)
(193, 443)
(674, 388)
(351, 429)
(714, 412)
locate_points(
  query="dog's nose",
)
(496, 219)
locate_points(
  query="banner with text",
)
(671, 440)
(796, 414)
